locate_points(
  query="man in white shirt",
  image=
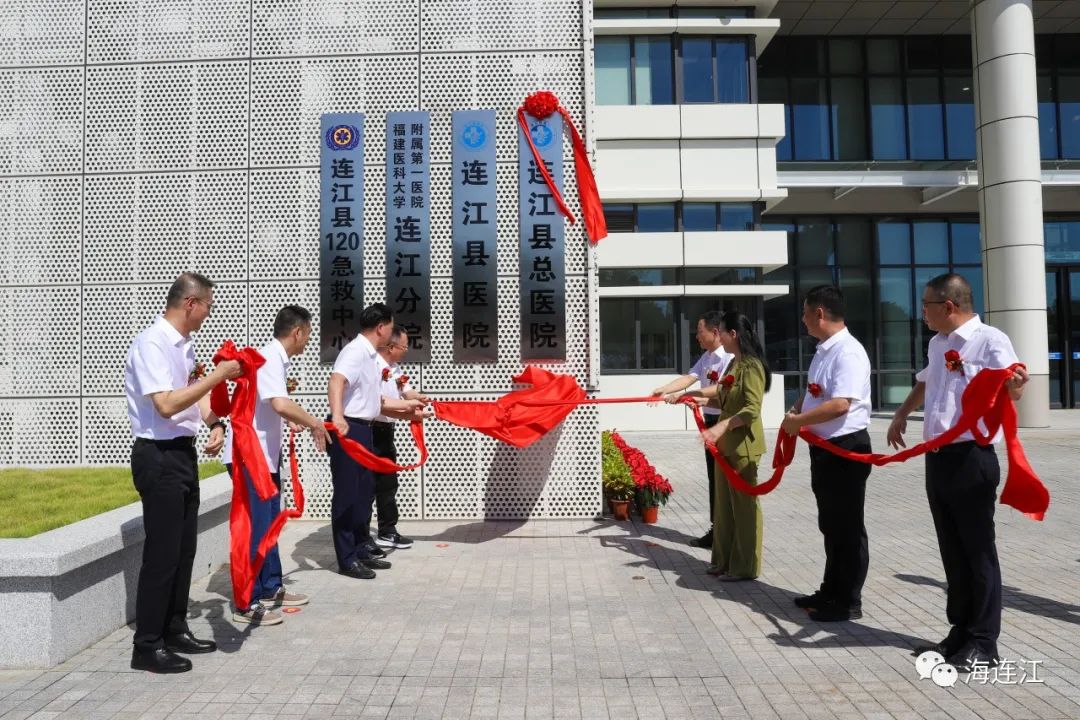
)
(395, 386)
(707, 370)
(836, 406)
(961, 477)
(292, 330)
(355, 402)
(168, 401)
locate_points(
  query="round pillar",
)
(1010, 189)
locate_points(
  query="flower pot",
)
(620, 509)
(648, 514)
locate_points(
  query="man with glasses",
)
(707, 371)
(961, 477)
(167, 401)
(395, 386)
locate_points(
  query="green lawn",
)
(35, 501)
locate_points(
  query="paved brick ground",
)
(595, 619)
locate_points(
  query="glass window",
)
(699, 80)
(807, 54)
(882, 56)
(638, 277)
(774, 90)
(732, 67)
(1048, 142)
(656, 318)
(922, 54)
(781, 331)
(716, 12)
(656, 217)
(848, 119)
(629, 13)
(960, 118)
(722, 276)
(894, 243)
(845, 56)
(853, 242)
(931, 242)
(814, 244)
(737, 216)
(895, 293)
(654, 81)
(895, 388)
(619, 217)
(699, 216)
(924, 119)
(859, 304)
(974, 276)
(966, 246)
(1069, 115)
(1062, 240)
(618, 347)
(956, 54)
(810, 114)
(612, 70)
(887, 119)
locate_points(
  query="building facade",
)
(885, 110)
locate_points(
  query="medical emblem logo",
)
(342, 137)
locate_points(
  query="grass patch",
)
(35, 501)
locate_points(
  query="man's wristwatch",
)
(217, 423)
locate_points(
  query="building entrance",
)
(1063, 329)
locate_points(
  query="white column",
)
(1010, 188)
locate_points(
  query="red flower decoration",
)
(291, 385)
(541, 104)
(953, 361)
(814, 389)
(712, 376)
(199, 371)
(402, 380)
(728, 381)
(385, 374)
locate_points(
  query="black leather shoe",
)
(834, 612)
(967, 659)
(374, 550)
(161, 660)
(946, 648)
(811, 602)
(375, 563)
(705, 541)
(189, 644)
(358, 571)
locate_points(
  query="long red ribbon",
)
(377, 463)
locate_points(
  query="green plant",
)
(617, 480)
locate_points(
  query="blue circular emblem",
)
(541, 135)
(474, 136)
(342, 137)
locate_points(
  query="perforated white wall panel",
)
(139, 138)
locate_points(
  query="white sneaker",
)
(257, 614)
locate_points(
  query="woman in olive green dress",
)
(739, 437)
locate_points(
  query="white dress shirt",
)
(980, 346)
(842, 369)
(358, 365)
(717, 360)
(390, 388)
(160, 359)
(272, 377)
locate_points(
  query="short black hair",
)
(288, 318)
(375, 315)
(954, 288)
(828, 298)
(713, 319)
(398, 331)
(188, 284)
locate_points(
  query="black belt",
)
(360, 421)
(964, 446)
(382, 423)
(184, 441)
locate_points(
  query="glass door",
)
(1063, 331)
(1073, 344)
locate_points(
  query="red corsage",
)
(291, 385)
(199, 371)
(713, 376)
(385, 374)
(402, 381)
(953, 361)
(728, 381)
(814, 389)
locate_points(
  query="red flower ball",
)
(385, 374)
(728, 381)
(953, 361)
(814, 389)
(712, 376)
(402, 379)
(541, 104)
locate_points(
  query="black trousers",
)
(166, 474)
(961, 485)
(710, 466)
(386, 486)
(350, 506)
(839, 487)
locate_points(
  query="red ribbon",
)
(377, 463)
(985, 398)
(542, 105)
